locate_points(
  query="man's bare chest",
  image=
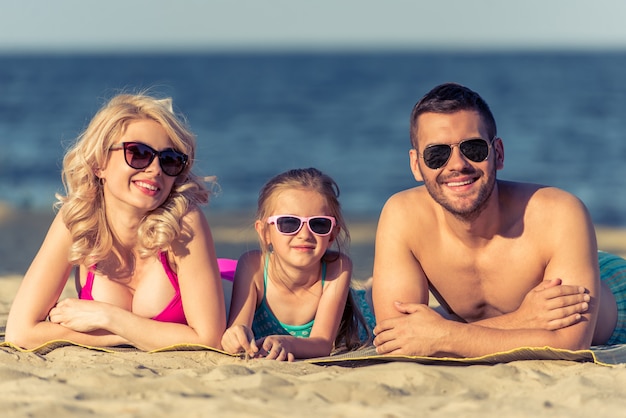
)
(475, 287)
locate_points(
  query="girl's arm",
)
(239, 337)
(38, 293)
(327, 319)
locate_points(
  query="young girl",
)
(291, 296)
(130, 222)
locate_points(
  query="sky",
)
(169, 25)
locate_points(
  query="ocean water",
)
(562, 116)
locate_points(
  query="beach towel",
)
(603, 355)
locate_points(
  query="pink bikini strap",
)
(168, 270)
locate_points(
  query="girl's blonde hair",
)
(307, 179)
(315, 180)
(83, 209)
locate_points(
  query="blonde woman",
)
(130, 224)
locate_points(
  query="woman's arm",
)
(201, 294)
(39, 291)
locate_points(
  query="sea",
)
(561, 115)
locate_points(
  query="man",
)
(513, 264)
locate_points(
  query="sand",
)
(74, 381)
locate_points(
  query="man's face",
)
(461, 186)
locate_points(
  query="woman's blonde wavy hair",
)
(83, 209)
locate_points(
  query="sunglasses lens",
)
(138, 156)
(435, 156)
(476, 150)
(172, 162)
(320, 226)
(288, 224)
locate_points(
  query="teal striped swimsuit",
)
(613, 273)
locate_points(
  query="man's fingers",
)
(570, 310)
(564, 322)
(383, 337)
(579, 302)
(564, 290)
(546, 284)
(387, 347)
(383, 326)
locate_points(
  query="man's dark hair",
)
(451, 98)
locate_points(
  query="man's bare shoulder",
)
(543, 208)
(413, 199)
(405, 213)
(534, 191)
(536, 197)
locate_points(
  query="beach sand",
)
(73, 381)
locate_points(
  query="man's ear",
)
(498, 147)
(414, 159)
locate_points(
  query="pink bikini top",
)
(173, 312)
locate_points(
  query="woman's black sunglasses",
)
(437, 155)
(140, 156)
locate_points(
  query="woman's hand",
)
(79, 315)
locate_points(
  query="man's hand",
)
(551, 306)
(415, 333)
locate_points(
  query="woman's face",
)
(144, 189)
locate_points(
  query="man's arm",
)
(568, 297)
(398, 275)
(550, 305)
(566, 237)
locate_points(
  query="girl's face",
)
(303, 248)
(142, 189)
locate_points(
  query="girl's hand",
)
(277, 347)
(79, 315)
(239, 338)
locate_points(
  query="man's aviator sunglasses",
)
(437, 155)
(291, 225)
(140, 156)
